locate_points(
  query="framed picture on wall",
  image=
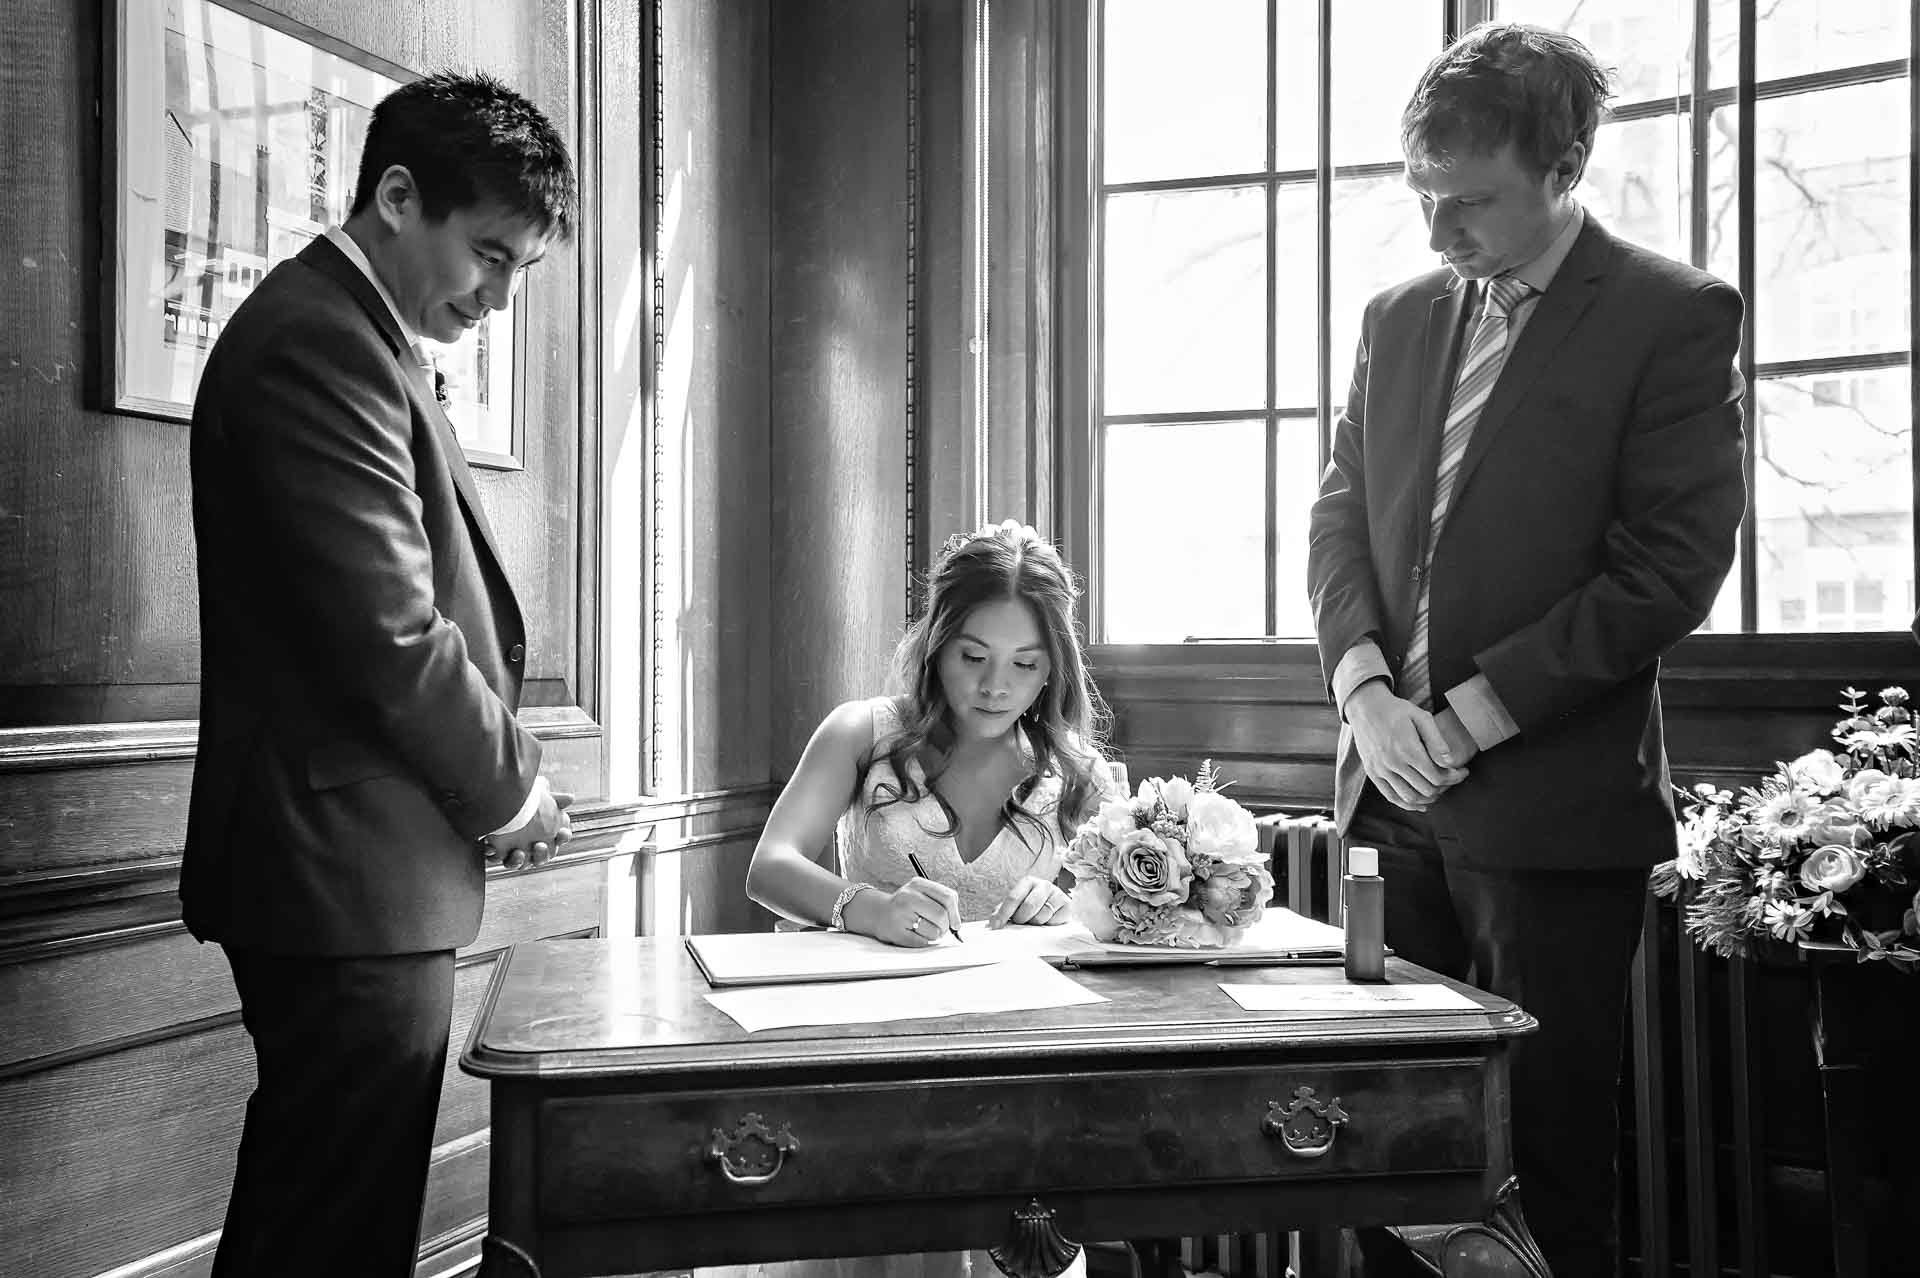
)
(234, 138)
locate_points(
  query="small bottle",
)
(1366, 916)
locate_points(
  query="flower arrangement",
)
(1824, 849)
(1177, 864)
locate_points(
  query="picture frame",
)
(232, 138)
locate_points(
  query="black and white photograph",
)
(959, 639)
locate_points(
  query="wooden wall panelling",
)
(1020, 340)
(126, 1068)
(114, 1157)
(942, 372)
(1257, 710)
(1020, 141)
(691, 868)
(715, 412)
(838, 88)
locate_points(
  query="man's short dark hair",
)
(468, 140)
(1504, 82)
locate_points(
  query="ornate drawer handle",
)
(753, 1153)
(1306, 1124)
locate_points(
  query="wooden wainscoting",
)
(124, 1071)
(1734, 704)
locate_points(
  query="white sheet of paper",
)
(765, 958)
(1344, 996)
(1018, 985)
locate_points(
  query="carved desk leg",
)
(1499, 1247)
(1035, 1247)
(501, 1259)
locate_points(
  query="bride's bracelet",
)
(837, 922)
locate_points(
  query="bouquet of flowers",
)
(1824, 849)
(1178, 864)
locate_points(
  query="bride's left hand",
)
(1032, 901)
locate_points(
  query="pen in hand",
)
(913, 859)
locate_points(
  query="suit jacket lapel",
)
(1553, 318)
(322, 255)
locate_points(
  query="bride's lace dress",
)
(874, 843)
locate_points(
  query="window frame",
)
(1080, 197)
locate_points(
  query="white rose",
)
(1817, 770)
(1177, 794)
(1832, 869)
(1091, 906)
(1116, 820)
(1220, 828)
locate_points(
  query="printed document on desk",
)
(1018, 985)
(1339, 997)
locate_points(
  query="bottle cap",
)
(1363, 862)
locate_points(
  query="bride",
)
(980, 769)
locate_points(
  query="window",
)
(1250, 198)
(1222, 232)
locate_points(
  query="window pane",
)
(1833, 497)
(1379, 50)
(1723, 195)
(1636, 184)
(1379, 239)
(1296, 308)
(1296, 473)
(1185, 301)
(1646, 42)
(1296, 89)
(1185, 96)
(1186, 531)
(1830, 232)
(1794, 37)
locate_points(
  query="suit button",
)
(517, 653)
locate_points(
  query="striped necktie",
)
(1479, 369)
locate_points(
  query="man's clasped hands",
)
(1412, 756)
(533, 842)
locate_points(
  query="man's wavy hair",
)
(1066, 725)
(1504, 82)
(469, 140)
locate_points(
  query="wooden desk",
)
(637, 1128)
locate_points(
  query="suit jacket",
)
(362, 652)
(1592, 521)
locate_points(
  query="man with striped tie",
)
(1534, 493)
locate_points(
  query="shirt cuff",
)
(1362, 664)
(1481, 712)
(527, 809)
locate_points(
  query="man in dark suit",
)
(1533, 495)
(362, 654)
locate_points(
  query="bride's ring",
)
(914, 926)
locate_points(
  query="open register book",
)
(775, 958)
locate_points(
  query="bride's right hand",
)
(915, 915)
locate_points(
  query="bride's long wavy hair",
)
(1066, 725)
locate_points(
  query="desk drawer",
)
(613, 1156)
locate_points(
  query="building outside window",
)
(1250, 198)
